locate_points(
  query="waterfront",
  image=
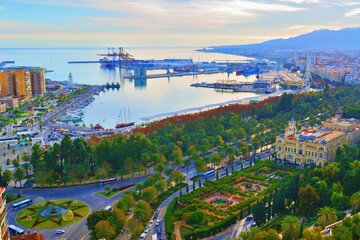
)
(145, 100)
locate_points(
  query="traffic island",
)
(52, 214)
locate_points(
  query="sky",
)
(166, 23)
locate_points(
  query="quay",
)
(172, 74)
(258, 86)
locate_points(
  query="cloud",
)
(353, 13)
(206, 14)
(302, 1)
(309, 28)
(217, 12)
(346, 3)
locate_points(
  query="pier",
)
(171, 74)
(257, 86)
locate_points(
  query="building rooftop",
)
(30, 236)
(2, 190)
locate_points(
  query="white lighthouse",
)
(70, 81)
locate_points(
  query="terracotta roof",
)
(30, 236)
(2, 190)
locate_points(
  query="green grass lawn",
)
(30, 217)
(109, 195)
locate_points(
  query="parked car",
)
(60, 231)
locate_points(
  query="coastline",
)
(243, 101)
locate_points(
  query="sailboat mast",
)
(124, 115)
(129, 113)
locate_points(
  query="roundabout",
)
(52, 214)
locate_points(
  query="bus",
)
(22, 204)
(208, 173)
(15, 230)
(107, 181)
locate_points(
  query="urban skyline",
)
(94, 23)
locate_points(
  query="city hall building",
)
(317, 144)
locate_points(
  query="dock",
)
(236, 86)
(172, 74)
(76, 62)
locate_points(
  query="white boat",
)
(70, 118)
(76, 112)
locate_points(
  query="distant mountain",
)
(343, 39)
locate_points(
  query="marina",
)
(157, 97)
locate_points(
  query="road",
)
(165, 204)
(85, 193)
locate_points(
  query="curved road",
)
(85, 193)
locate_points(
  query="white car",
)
(147, 230)
(157, 222)
(151, 223)
(60, 231)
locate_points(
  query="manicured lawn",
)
(30, 217)
(110, 195)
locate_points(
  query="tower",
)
(291, 129)
(70, 81)
(308, 79)
(338, 115)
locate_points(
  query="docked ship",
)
(122, 125)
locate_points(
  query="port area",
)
(257, 86)
(174, 74)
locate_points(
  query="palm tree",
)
(326, 216)
(291, 227)
(355, 201)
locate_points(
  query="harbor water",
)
(139, 100)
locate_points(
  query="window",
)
(300, 151)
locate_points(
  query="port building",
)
(316, 144)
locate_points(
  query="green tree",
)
(197, 217)
(279, 200)
(326, 216)
(291, 227)
(104, 230)
(126, 202)
(160, 186)
(312, 234)
(308, 199)
(96, 217)
(354, 200)
(19, 175)
(7, 175)
(177, 176)
(142, 211)
(259, 212)
(257, 234)
(118, 219)
(149, 194)
(25, 157)
(339, 201)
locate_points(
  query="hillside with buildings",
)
(343, 39)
